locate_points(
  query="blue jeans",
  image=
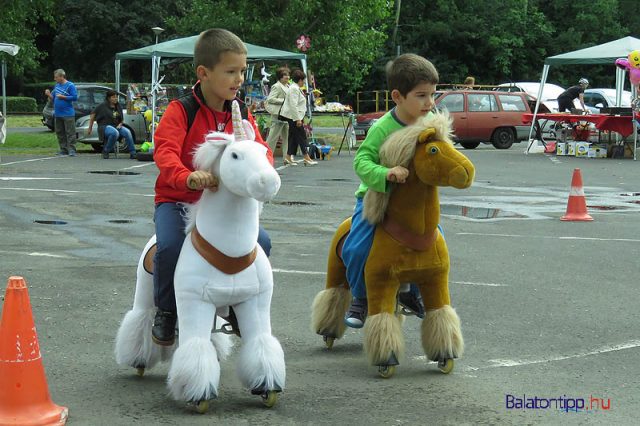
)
(355, 252)
(112, 134)
(170, 226)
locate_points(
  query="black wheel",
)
(144, 156)
(503, 138)
(97, 147)
(470, 145)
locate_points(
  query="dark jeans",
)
(66, 133)
(297, 138)
(170, 226)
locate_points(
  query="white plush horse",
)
(235, 273)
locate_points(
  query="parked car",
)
(605, 98)
(90, 96)
(550, 92)
(478, 116)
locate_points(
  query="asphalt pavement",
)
(549, 309)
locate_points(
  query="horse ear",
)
(426, 135)
(248, 128)
(209, 151)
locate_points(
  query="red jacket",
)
(174, 148)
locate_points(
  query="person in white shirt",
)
(297, 102)
(275, 105)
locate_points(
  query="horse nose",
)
(461, 177)
(265, 185)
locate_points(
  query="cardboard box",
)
(571, 150)
(582, 149)
(561, 148)
(596, 151)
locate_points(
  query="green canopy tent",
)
(183, 48)
(12, 50)
(605, 53)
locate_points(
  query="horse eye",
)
(433, 150)
(234, 155)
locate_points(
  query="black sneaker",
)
(164, 328)
(411, 303)
(105, 155)
(357, 313)
(132, 156)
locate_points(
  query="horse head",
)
(240, 163)
(436, 161)
(426, 149)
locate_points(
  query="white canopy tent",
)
(605, 54)
(183, 48)
(12, 50)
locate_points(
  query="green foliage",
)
(351, 40)
(21, 104)
(346, 36)
(91, 32)
(18, 25)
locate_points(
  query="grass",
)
(34, 120)
(46, 143)
(30, 143)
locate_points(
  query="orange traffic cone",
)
(24, 393)
(577, 205)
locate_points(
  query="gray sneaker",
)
(357, 313)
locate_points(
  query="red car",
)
(479, 116)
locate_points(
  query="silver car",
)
(89, 97)
(605, 98)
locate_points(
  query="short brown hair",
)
(280, 72)
(213, 43)
(297, 75)
(407, 71)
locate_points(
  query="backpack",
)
(191, 107)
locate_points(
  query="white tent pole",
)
(620, 74)
(155, 64)
(545, 72)
(4, 89)
(117, 72)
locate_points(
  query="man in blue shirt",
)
(63, 94)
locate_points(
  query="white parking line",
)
(292, 271)
(499, 363)
(36, 254)
(76, 192)
(479, 284)
(549, 237)
(32, 178)
(29, 161)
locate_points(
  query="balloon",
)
(634, 59)
(634, 72)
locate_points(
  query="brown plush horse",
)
(407, 247)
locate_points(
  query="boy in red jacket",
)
(220, 60)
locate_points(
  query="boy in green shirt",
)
(412, 81)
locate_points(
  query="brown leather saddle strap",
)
(219, 260)
(407, 238)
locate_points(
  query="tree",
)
(91, 32)
(20, 20)
(346, 36)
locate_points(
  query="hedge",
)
(21, 104)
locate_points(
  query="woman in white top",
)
(275, 106)
(297, 102)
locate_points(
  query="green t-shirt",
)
(367, 160)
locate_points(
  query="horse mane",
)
(399, 150)
(204, 158)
